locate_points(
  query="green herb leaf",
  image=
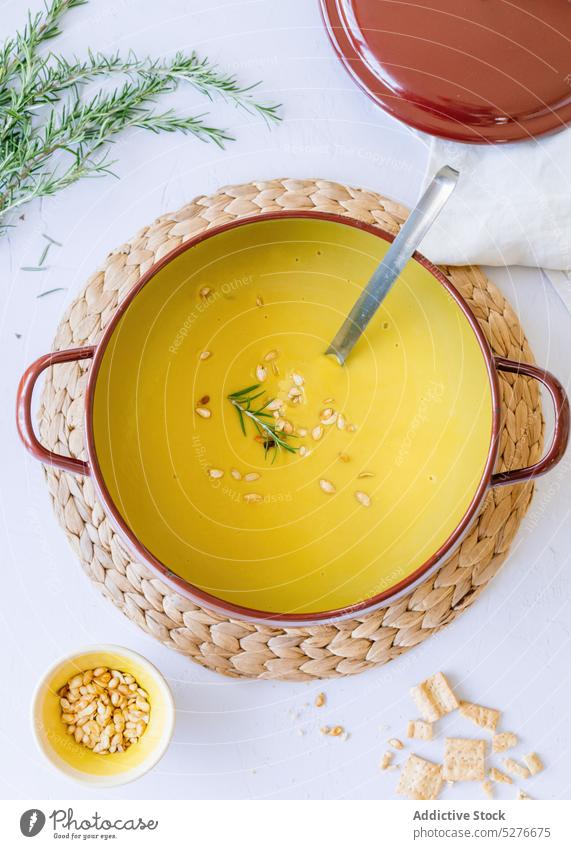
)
(51, 136)
(50, 292)
(274, 440)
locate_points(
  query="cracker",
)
(464, 760)
(533, 763)
(500, 777)
(516, 768)
(417, 729)
(488, 788)
(387, 760)
(434, 697)
(484, 717)
(420, 779)
(504, 741)
(396, 743)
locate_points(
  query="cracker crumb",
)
(522, 795)
(387, 759)
(515, 768)
(483, 717)
(533, 763)
(335, 731)
(434, 697)
(417, 729)
(396, 743)
(420, 779)
(499, 777)
(320, 700)
(504, 741)
(488, 788)
(464, 760)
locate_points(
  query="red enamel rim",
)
(412, 108)
(225, 607)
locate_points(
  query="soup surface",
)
(387, 450)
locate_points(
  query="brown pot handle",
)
(560, 431)
(24, 409)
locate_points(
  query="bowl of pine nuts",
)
(103, 715)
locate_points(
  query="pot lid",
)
(469, 70)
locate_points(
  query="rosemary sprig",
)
(50, 136)
(263, 421)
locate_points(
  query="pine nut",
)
(327, 486)
(252, 498)
(363, 498)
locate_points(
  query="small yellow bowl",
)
(75, 760)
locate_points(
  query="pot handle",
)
(24, 409)
(561, 429)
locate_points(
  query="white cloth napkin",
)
(512, 204)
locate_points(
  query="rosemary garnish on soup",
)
(268, 432)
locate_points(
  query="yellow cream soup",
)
(347, 515)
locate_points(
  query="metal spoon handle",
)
(404, 245)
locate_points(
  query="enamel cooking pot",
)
(284, 238)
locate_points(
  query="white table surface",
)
(241, 739)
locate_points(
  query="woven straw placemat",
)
(241, 648)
